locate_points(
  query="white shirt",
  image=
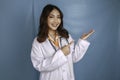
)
(52, 63)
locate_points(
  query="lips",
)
(55, 25)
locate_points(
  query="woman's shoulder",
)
(69, 35)
(35, 41)
(70, 38)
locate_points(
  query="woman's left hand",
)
(86, 35)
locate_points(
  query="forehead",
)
(55, 11)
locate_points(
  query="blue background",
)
(19, 21)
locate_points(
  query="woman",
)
(53, 52)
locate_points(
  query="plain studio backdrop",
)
(19, 20)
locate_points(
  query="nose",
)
(56, 20)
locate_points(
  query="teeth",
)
(55, 25)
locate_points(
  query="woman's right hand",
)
(66, 49)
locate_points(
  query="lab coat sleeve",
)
(41, 63)
(80, 49)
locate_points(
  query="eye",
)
(59, 17)
(51, 16)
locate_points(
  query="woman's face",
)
(54, 19)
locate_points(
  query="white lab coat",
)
(53, 64)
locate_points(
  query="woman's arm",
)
(81, 47)
(41, 63)
(80, 50)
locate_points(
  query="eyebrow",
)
(53, 14)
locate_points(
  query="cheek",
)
(49, 21)
(59, 20)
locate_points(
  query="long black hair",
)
(43, 25)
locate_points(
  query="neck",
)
(53, 35)
(51, 32)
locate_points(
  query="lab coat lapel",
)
(48, 48)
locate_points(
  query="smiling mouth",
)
(55, 25)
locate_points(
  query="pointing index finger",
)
(70, 43)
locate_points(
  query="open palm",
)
(86, 35)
